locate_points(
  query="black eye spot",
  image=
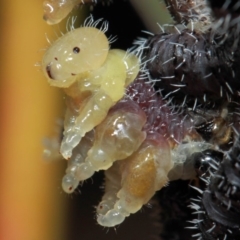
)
(76, 50)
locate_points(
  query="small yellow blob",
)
(56, 10)
(93, 77)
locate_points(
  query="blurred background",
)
(32, 203)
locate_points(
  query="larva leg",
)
(142, 174)
(56, 10)
(90, 115)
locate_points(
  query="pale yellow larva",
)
(93, 77)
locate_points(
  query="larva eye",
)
(77, 52)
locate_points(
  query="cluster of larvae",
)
(108, 124)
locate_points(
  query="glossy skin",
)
(56, 10)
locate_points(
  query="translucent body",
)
(56, 10)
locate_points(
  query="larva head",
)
(77, 52)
